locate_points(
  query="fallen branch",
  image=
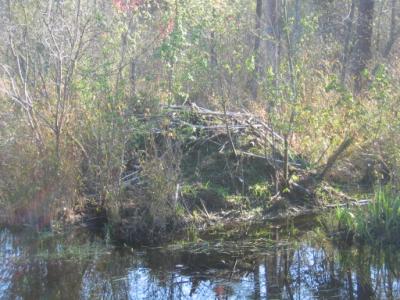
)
(334, 157)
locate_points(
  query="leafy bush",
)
(150, 211)
(260, 193)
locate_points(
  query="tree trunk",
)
(272, 31)
(364, 41)
(393, 32)
(257, 58)
(213, 54)
(133, 78)
(334, 157)
(346, 48)
(297, 25)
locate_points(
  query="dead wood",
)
(334, 157)
(245, 135)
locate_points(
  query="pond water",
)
(256, 262)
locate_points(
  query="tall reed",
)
(378, 222)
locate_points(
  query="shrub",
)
(148, 212)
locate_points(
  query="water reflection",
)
(80, 266)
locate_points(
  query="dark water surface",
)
(256, 263)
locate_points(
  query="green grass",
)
(381, 219)
(377, 223)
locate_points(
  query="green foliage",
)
(260, 193)
(77, 137)
(198, 195)
(381, 220)
(377, 223)
(345, 220)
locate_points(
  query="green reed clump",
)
(381, 219)
(378, 222)
(346, 222)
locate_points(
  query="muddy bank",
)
(202, 219)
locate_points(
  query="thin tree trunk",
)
(297, 24)
(293, 100)
(393, 32)
(257, 58)
(213, 57)
(364, 41)
(213, 54)
(133, 78)
(346, 48)
(272, 61)
(272, 32)
(334, 157)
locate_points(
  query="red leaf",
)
(127, 5)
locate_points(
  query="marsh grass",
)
(376, 223)
(380, 221)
